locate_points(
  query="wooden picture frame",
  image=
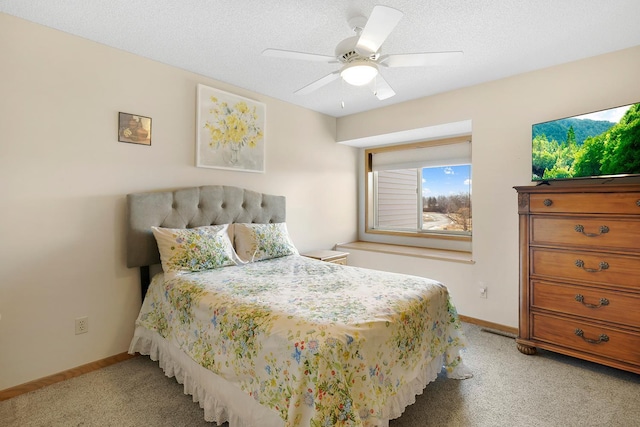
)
(134, 128)
(230, 131)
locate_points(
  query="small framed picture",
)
(134, 128)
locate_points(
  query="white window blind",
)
(455, 154)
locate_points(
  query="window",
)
(420, 190)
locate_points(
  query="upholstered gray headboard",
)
(192, 207)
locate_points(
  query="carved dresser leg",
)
(526, 349)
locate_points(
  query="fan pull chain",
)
(375, 86)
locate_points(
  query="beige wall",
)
(502, 113)
(64, 177)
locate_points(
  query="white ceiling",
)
(223, 39)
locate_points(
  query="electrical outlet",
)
(482, 289)
(82, 325)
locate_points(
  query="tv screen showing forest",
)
(602, 143)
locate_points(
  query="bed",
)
(262, 336)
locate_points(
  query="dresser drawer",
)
(586, 232)
(589, 338)
(598, 304)
(587, 267)
(604, 203)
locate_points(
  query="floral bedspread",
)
(319, 343)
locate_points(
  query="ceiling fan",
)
(361, 57)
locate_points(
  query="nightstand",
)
(335, 257)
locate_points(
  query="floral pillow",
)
(194, 249)
(255, 242)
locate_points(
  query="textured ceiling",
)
(224, 39)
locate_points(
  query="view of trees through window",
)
(420, 190)
(446, 199)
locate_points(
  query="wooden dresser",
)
(580, 272)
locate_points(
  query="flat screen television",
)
(603, 144)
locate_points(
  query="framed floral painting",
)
(230, 132)
(134, 128)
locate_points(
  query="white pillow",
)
(194, 249)
(255, 242)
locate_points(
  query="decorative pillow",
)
(194, 249)
(255, 242)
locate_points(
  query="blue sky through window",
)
(443, 181)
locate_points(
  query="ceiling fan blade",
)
(290, 54)
(426, 59)
(318, 83)
(382, 21)
(381, 88)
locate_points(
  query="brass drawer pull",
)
(549, 202)
(637, 202)
(603, 337)
(603, 302)
(603, 266)
(580, 229)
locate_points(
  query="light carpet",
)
(508, 389)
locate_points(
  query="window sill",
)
(421, 235)
(438, 254)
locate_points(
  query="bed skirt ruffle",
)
(224, 402)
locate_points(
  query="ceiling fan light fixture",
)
(359, 73)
